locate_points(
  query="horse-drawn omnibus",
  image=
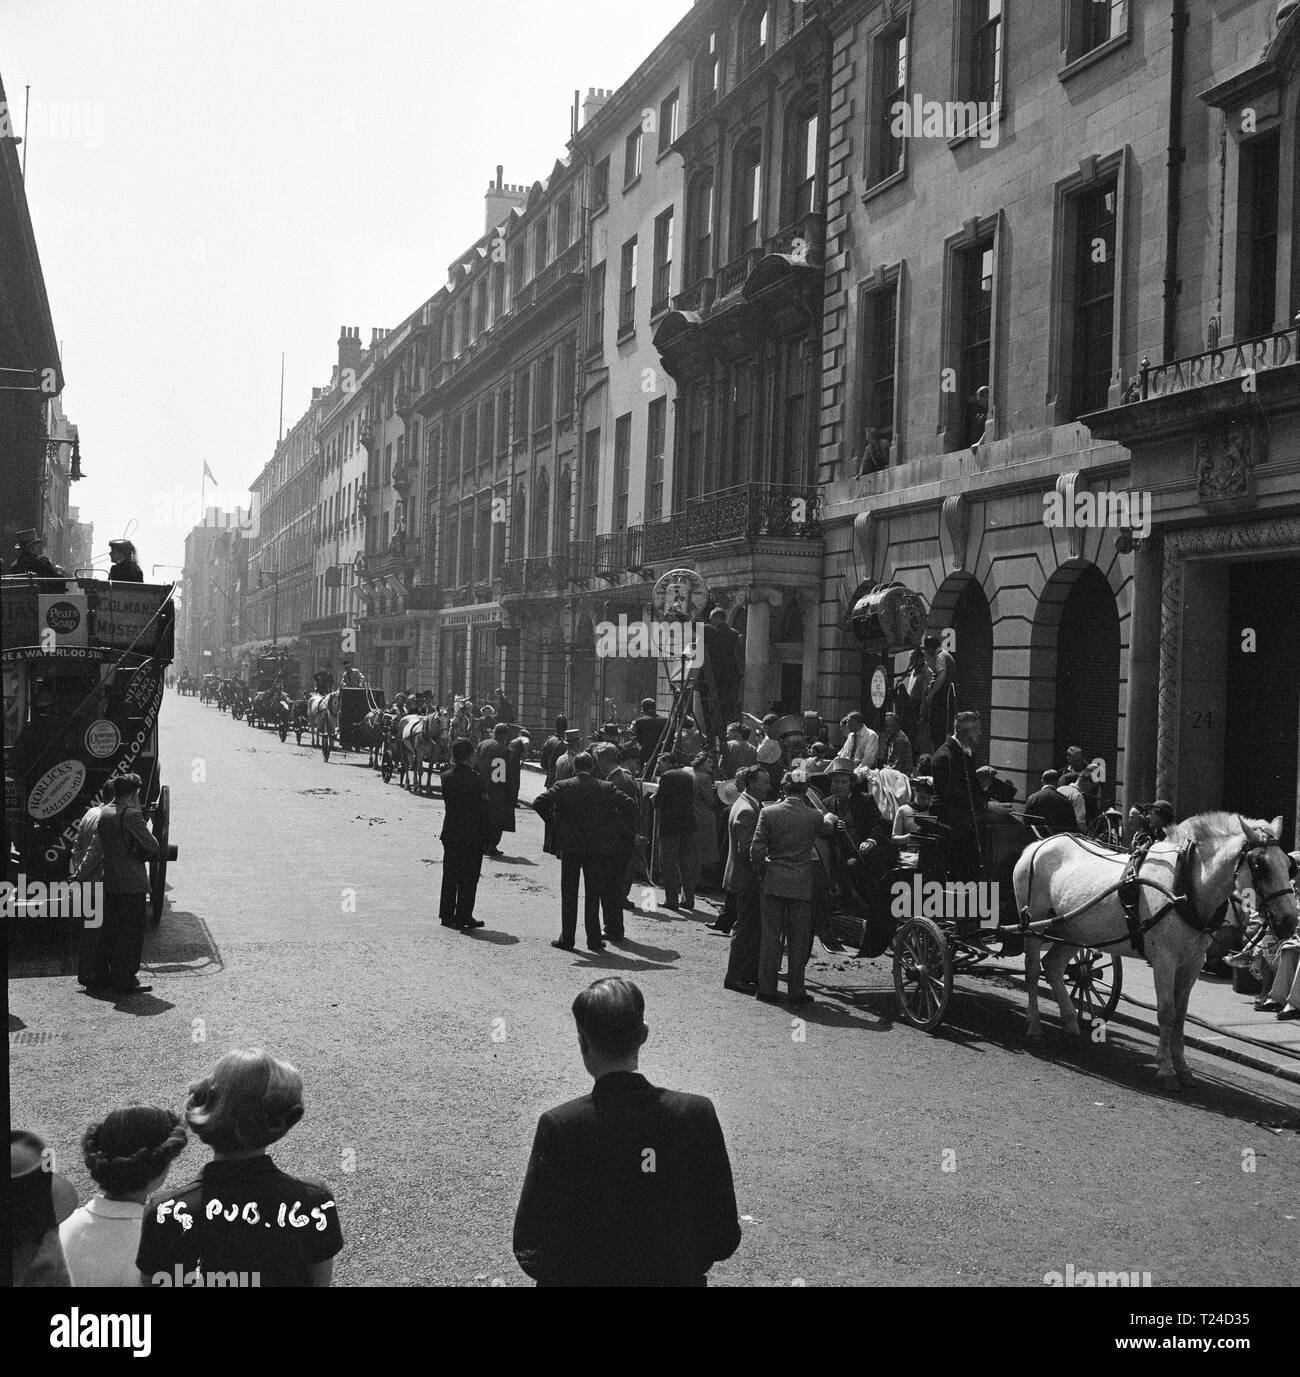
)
(84, 663)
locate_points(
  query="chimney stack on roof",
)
(501, 199)
(349, 351)
(596, 100)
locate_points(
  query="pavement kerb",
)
(1215, 1049)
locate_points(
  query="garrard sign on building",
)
(1219, 365)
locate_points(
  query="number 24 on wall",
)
(1203, 719)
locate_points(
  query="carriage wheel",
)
(1103, 830)
(283, 729)
(386, 766)
(162, 826)
(327, 739)
(1094, 979)
(922, 973)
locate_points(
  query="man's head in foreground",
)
(610, 1015)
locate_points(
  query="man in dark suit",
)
(647, 729)
(674, 805)
(629, 1185)
(1049, 804)
(740, 880)
(590, 820)
(960, 799)
(466, 826)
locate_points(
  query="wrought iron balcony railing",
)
(582, 560)
(752, 510)
(634, 553)
(512, 576)
(663, 539)
(732, 278)
(610, 553)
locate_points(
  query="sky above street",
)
(214, 181)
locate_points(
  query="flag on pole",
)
(207, 472)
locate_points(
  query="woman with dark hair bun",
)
(128, 1155)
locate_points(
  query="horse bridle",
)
(1252, 855)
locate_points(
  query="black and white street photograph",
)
(651, 646)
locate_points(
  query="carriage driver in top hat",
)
(961, 797)
(31, 556)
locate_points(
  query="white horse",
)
(323, 712)
(1066, 890)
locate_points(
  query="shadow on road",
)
(496, 939)
(993, 1017)
(511, 860)
(182, 944)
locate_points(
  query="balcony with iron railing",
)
(582, 560)
(733, 276)
(753, 510)
(749, 511)
(634, 549)
(610, 550)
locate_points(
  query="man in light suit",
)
(782, 856)
(629, 1185)
(861, 744)
(740, 881)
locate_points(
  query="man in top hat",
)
(724, 654)
(564, 766)
(939, 698)
(31, 557)
(961, 800)
(124, 568)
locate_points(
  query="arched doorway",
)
(972, 625)
(1077, 643)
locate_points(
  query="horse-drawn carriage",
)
(935, 928)
(84, 665)
(275, 685)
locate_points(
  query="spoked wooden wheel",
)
(922, 973)
(327, 738)
(386, 765)
(162, 827)
(1094, 979)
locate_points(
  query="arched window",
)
(701, 230)
(538, 542)
(747, 195)
(801, 161)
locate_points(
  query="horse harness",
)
(1132, 882)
